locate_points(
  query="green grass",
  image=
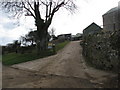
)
(61, 45)
(13, 58)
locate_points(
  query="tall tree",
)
(34, 8)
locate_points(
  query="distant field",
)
(13, 58)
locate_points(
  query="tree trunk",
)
(42, 45)
(42, 42)
(42, 29)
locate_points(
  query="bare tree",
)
(52, 31)
(34, 8)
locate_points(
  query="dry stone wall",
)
(100, 50)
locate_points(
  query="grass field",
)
(13, 58)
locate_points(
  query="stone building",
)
(91, 29)
(111, 20)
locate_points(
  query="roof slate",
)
(112, 10)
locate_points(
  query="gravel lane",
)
(66, 69)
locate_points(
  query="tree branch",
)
(46, 12)
(48, 22)
(36, 11)
(28, 10)
(44, 3)
(50, 8)
(30, 6)
(58, 6)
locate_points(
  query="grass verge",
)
(13, 58)
(61, 45)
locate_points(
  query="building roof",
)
(112, 10)
(64, 35)
(92, 28)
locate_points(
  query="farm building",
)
(111, 19)
(91, 29)
(65, 36)
(76, 37)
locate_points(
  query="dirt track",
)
(66, 69)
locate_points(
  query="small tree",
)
(16, 45)
(23, 40)
(52, 33)
(31, 37)
(33, 8)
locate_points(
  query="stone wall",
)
(98, 49)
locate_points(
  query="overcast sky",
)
(88, 11)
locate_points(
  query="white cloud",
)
(11, 29)
(7, 36)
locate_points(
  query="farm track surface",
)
(66, 69)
